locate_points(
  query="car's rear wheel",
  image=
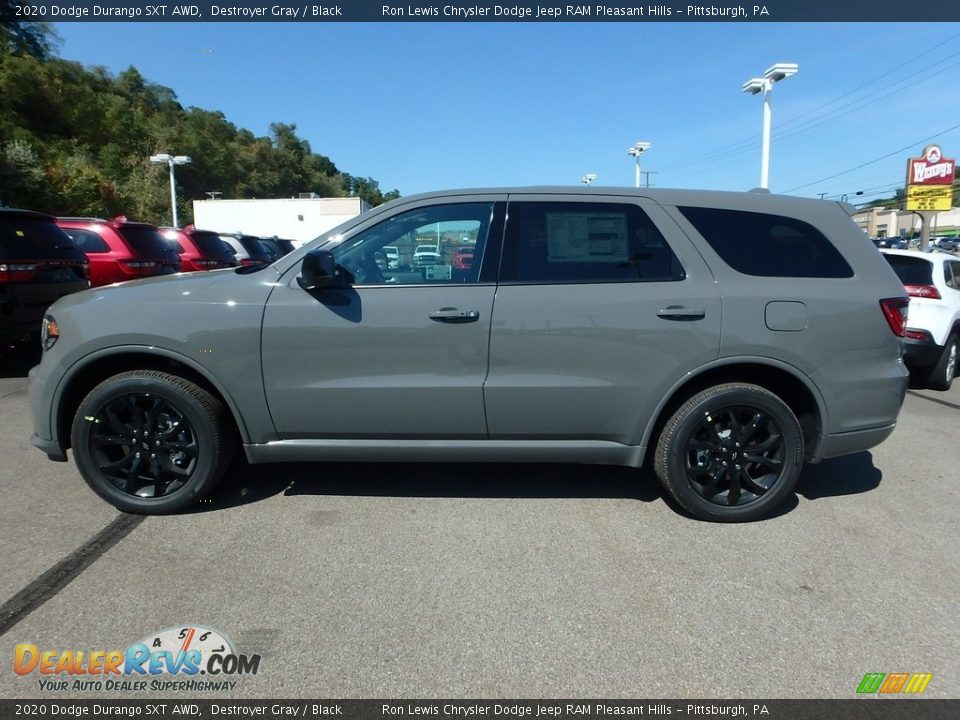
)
(941, 375)
(731, 453)
(149, 442)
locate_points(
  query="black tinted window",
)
(88, 241)
(768, 245)
(951, 271)
(28, 238)
(209, 243)
(145, 241)
(584, 242)
(911, 270)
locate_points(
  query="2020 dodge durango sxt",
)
(722, 338)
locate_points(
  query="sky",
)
(433, 106)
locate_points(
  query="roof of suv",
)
(17, 212)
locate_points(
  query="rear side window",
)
(768, 245)
(88, 241)
(911, 270)
(145, 241)
(27, 238)
(561, 242)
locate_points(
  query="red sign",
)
(931, 169)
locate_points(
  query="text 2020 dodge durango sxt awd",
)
(722, 338)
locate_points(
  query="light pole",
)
(171, 160)
(774, 73)
(637, 149)
(588, 178)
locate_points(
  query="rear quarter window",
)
(768, 245)
(88, 241)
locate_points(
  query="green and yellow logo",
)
(892, 683)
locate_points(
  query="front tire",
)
(151, 443)
(731, 453)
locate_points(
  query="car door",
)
(603, 304)
(401, 353)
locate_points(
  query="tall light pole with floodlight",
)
(638, 149)
(172, 160)
(773, 74)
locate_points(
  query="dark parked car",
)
(199, 249)
(38, 264)
(274, 246)
(248, 249)
(120, 250)
(723, 339)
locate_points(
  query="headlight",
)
(49, 332)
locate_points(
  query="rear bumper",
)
(50, 447)
(920, 353)
(848, 443)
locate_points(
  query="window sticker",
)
(587, 237)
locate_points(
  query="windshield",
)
(209, 243)
(146, 241)
(911, 270)
(29, 238)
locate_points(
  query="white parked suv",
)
(932, 280)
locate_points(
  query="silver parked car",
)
(721, 338)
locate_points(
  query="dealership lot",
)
(491, 581)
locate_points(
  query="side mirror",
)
(318, 271)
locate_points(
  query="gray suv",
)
(721, 338)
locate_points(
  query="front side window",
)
(584, 242)
(768, 245)
(419, 246)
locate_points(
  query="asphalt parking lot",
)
(506, 581)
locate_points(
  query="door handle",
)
(453, 315)
(678, 312)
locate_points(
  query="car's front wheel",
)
(151, 443)
(731, 453)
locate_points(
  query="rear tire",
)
(942, 374)
(151, 443)
(731, 453)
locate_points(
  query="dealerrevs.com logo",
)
(189, 658)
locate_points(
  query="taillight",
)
(251, 261)
(18, 273)
(895, 311)
(917, 334)
(923, 291)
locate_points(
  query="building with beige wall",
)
(884, 222)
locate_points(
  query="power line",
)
(875, 160)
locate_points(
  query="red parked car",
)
(199, 249)
(120, 250)
(463, 258)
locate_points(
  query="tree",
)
(22, 37)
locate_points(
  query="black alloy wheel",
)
(149, 442)
(731, 453)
